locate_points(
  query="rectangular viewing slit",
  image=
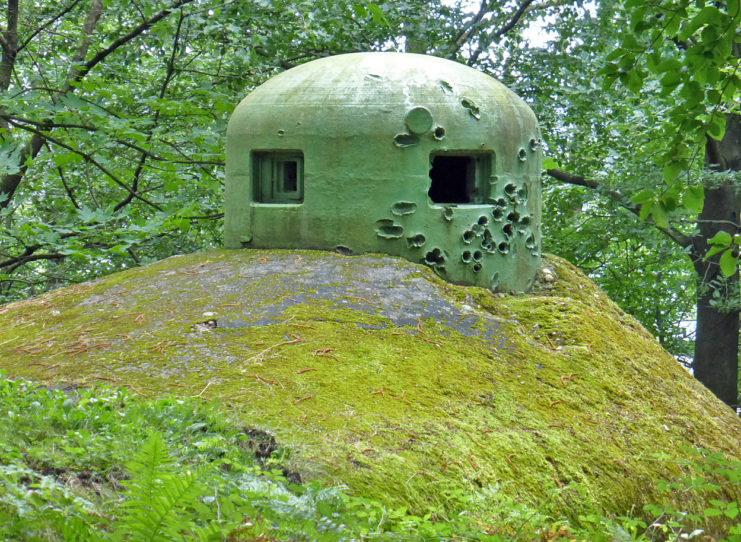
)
(459, 178)
(278, 176)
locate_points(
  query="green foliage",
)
(68, 473)
(706, 469)
(728, 245)
(156, 494)
(121, 161)
(684, 53)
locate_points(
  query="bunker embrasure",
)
(402, 154)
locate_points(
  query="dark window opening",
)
(278, 177)
(452, 179)
(459, 179)
(288, 174)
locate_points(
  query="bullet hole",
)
(534, 144)
(448, 214)
(435, 257)
(447, 87)
(503, 247)
(501, 202)
(374, 76)
(468, 236)
(507, 230)
(483, 221)
(514, 216)
(522, 155)
(477, 256)
(510, 189)
(525, 221)
(530, 242)
(416, 241)
(281, 132)
(494, 281)
(342, 249)
(487, 243)
(439, 133)
(387, 229)
(473, 109)
(477, 229)
(477, 267)
(401, 208)
(497, 213)
(466, 256)
(522, 193)
(406, 140)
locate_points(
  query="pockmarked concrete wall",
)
(401, 154)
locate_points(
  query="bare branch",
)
(67, 189)
(163, 90)
(468, 30)
(10, 45)
(87, 157)
(102, 55)
(501, 32)
(513, 21)
(47, 24)
(88, 27)
(9, 183)
(49, 125)
(28, 255)
(618, 197)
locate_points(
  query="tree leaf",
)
(693, 198)
(717, 126)
(712, 252)
(643, 196)
(669, 65)
(722, 238)
(377, 15)
(660, 216)
(728, 263)
(672, 170)
(706, 15)
(634, 81)
(549, 163)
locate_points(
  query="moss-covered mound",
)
(379, 375)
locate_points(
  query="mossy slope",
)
(382, 376)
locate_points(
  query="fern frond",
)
(156, 496)
(146, 467)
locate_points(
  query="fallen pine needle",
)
(509, 460)
(204, 389)
(262, 379)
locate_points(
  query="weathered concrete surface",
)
(378, 374)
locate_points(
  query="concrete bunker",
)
(402, 154)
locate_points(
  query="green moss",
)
(527, 393)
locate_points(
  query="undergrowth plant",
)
(104, 465)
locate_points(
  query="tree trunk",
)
(716, 343)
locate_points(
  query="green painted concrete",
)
(401, 154)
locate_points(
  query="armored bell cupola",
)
(396, 153)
